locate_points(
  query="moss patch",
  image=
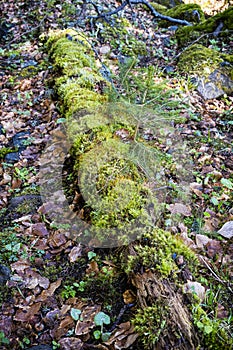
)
(185, 35)
(74, 60)
(191, 13)
(157, 252)
(199, 60)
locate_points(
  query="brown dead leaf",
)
(66, 324)
(88, 313)
(222, 312)
(123, 337)
(129, 297)
(214, 248)
(210, 224)
(71, 343)
(123, 134)
(50, 291)
(92, 267)
(179, 208)
(34, 279)
(57, 240)
(25, 85)
(39, 229)
(20, 265)
(196, 188)
(27, 313)
(75, 253)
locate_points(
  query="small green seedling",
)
(91, 255)
(100, 319)
(75, 314)
(3, 338)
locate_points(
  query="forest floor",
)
(44, 275)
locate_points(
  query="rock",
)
(215, 85)
(4, 274)
(12, 157)
(19, 140)
(227, 230)
(23, 205)
(206, 65)
(195, 287)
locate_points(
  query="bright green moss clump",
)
(199, 59)
(156, 252)
(73, 58)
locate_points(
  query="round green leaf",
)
(105, 336)
(97, 334)
(101, 318)
(75, 313)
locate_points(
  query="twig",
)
(151, 8)
(194, 42)
(215, 275)
(27, 32)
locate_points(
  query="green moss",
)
(199, 59)
(158, 7)
(75, 60)
(169, 3)
(156, 252)
(189, 12)
(5, 150)
(150, 323)
(185, 35)
(75, 97)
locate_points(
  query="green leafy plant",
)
(55, 345)
(75, 314)
(100, 319)
(3, 339)
(68, 291)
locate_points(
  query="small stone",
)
(4, 274)
(227, 230)
(195, 287)
(12, 157)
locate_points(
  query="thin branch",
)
(150, 7)
(27, 32)
(215, 275)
